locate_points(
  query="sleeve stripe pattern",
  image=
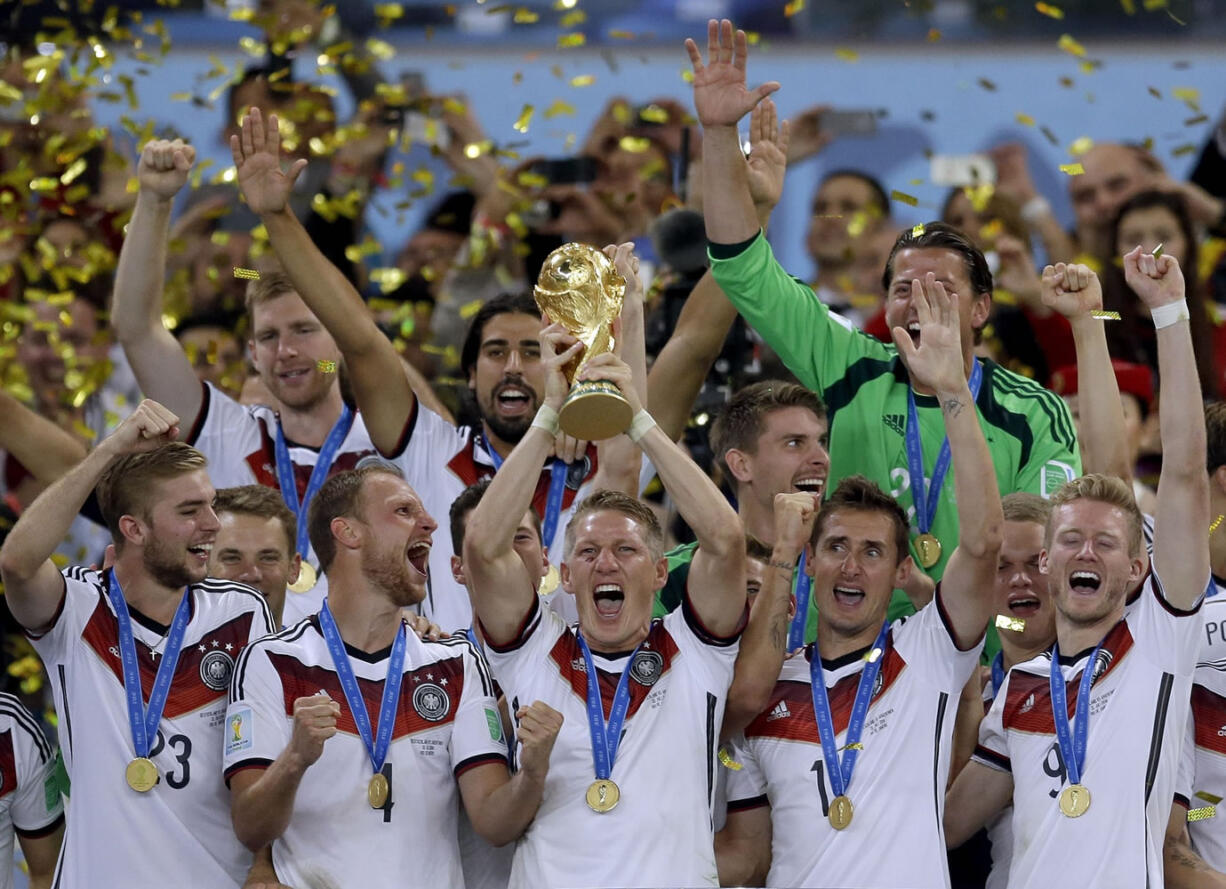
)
(742, 805)
(1050, 403)
(993, 759)
(483, 669)
(215, 586)
(473, 761)
(11, 706)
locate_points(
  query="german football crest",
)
(215, 670)
(431, 702)
(647, 667)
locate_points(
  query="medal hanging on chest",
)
(1074, 799)
(603, 794)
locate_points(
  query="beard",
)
(389, 572)
(509, 429)
(165, 564)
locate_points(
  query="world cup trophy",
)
(580, 289)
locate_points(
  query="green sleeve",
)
(669, 596)
(1055, 457)
(815, 344)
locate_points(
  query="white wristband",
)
(546, 418)
(1035, 209)
(1171, 313)
(640, 425)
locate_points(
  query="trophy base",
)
(595, 410)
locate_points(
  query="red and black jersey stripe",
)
(568, 658)
(1209, 715)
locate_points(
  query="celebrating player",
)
(869, 710)
(153, 630)
(30, 803)
(1084, 738)
(347, 726)
(634, 691)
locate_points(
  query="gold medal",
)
(840, 812)
(141, 774)
(378, 790)
(929, 550)
(1075, 800)
(603, 795)
(307, 579)
(550, 581)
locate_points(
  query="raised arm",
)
(620, 460)
(765, 641)
(162, 369)
(379, 384)
(33, 586)
(721, 99)
(43, 448)
(502, 592)
(717, 574)
(682, 365)
(1075, 292)
(1181, 556)
(937, 363)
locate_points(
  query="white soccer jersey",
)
(660, 833)
(446, 722)
(30, 801)
(898, 786)
(1202, 772)
(999, 828)
(180, 831)
(1139, 706)
(439, 461)
(239, 442)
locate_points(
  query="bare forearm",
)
(728, 209)
(262, 812)
(490, 532)
(262, 870)
(1184, 869)
(141, 270)
(506, 812)
(1103, 442)
(1182, 417)
(763, 646)
(980, 519)
(966, 726)
(42, 447)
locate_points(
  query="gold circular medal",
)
(550, 581)
(378, 790)
(840, 812)
(141, 774)
(603, 795)
(307, 578)
(929, 550)
(1075, 800)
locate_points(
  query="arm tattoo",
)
(781, 565)
(952, 406)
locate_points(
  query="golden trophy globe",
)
(580, 289)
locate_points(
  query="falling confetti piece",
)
(1050, 11)
(726, 760)
(1049, 135)
(1199, 119)
(1153, 91)
(1072, 169)
(1105, 316)
(526, 17)
(987, 84)
(1184, 149)
(1216, 523)
(559, 108)
(325, 366)
(1130, 8)
(1005, 622)
(917, 230)
(525, 117)
(933, 35)
(1157, 251)
(1080, 146)
(1202, 813)
(1068, 44)
(621, 35)
(566, 41)
(1024, 119)
(247, 274)
(1211, 798)
(793, 7)
(846, 55)
(896, 195)
(583, 80)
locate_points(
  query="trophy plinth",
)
(579, 288)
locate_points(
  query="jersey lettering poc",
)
(898, 786)
(107, 841)
(660, 833)
(446, 722)
(1139, 706)
(30, 801)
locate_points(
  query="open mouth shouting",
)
(810, 484)
(1085, 583)
(608, 598)
(201, 551)
(418, 555)
(913, 330)
(848, 596)
(1023, 604)
(514, 399)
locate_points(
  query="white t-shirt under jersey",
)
(1138, 712)
(178, 833)
(446, 722)
(239, 442)
(30, 803)
(660, 833)
(895, 838)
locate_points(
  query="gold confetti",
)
(845, 54)
(525, 17)
(634, 144)
(525, 117)
(1072, 169)
(1189, 148)
(1202, 813)
(566, 41)
(897, 195)
(621, 35)
(325, 366)
(1024, 119)
(1005, 622)
(1216, 523)
(1130, 8)
(1157, 251)
(1105, 316)
(1211, 798)
(726, 760)
(1199, 119)
(1069, 45)
(583, 80)
(1080, 146)
(247, 274)
(1050, 11)
(793, 7)
(933, 35)
(917, 230)
(559, 108)
(987, 84)
(571, 19)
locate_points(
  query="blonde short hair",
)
(1104, 489)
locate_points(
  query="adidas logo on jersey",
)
(781, 711)
(1027, 706)
(895, 422)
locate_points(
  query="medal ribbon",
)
(1072, 749)
(376, 744)
(319, 474)
(998, 672)
(606, 738)
(145, 722)
(553, 503)
(800, 588)
(928, 496)
(840, 772)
